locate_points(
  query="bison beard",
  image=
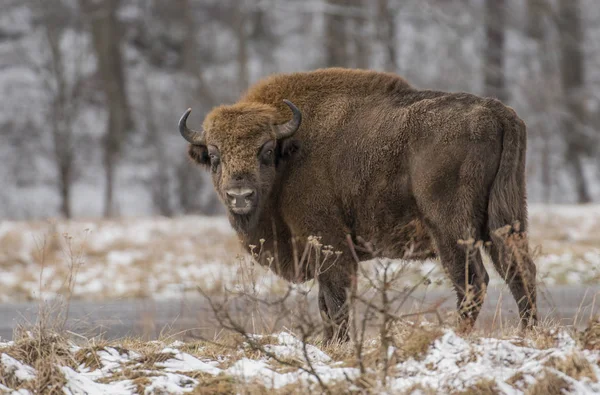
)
(362, 155)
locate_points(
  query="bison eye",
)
(215, 158)
(267, 153)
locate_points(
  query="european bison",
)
(352, 155)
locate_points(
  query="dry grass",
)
(590, 338)
(549, 384)
(154, 254)
(46, 346)
(47, 350)
(574, 366)
(482, 387)
(44, 351)
(218, 385)
(414, 341)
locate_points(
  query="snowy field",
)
(429, 360)
(169, 258)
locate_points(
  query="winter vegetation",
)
(165, 258)
(255, 333)
(423, 360)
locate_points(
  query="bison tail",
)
(507, 220)
(507, 203)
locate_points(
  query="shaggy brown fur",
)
(377, 159)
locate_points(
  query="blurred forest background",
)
(92, 90)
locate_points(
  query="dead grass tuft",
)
(140, 379)
(339, 352)
(413, 342)
(209, 384)
(419, 389)
(9, 379)
(549, 384)
(140, 383)
(43, 351)
(517, 380)
(482, 387)
(41, 344)
(148, 361)
(49, 380)
(543, 338)
(574, 366)
(590, 338)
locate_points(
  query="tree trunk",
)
(336, 40)
(62, 104)
(107, 38)
(572, 80)
(386, 31)
(537, 13)
(360, 37)
(264, 40)
(241, 26)
(493, 59)
(65, 189)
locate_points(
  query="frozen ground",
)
(431, 360)
(162, 258)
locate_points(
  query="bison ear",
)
(199, 154)
(287, 149)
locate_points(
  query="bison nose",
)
(240, 197)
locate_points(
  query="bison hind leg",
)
(510, 254)
(462, 261)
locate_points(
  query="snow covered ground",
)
(165, 258)
(161, 257)
(550, 362)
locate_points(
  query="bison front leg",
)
(334, 291)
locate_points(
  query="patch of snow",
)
(291, 347)
(20, 370)
(170, 383)
(81, 383)
(250, 370)
(453, 363)
(111, 358)
(183, 362)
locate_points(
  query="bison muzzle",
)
(351, 155)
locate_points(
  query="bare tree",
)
(543, 97)
(493, 57)
(336, 37)
(386, 32)
(263, 38)
(64, 91)
(360, 37)
(240, 27)
(107, 37)
(572, 79)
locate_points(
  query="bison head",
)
(243, 146)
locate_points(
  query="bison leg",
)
(513, 262)
(468, 275)
(334, 288)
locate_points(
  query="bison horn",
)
(289, 128)
(192, 136)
